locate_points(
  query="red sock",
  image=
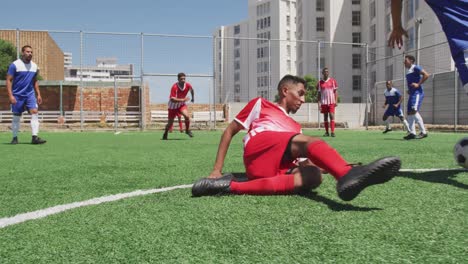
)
(170, 128)
(332, 126)
(326, 126)
(327, 158)
(281, 184)
(180, 125)
(187, 125)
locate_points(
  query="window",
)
(288, 34)
(288, 48)
(269, 21)
(320, 24)
(356, 18)
(409, 9)
(373, 78)
(288, 20)
(356, 2)
(237, 29)
(372, 55)
(372, 33)
(320, 5)
(236, 65)
(388, 23)
(410, 39)
(357, 100)
(236, 53)
(389, 72)
(357, 83)
(236, 42)
(356, 38)
(372, 9)
(322, 63)
(237, 88)
(356, 61)
(236, 76)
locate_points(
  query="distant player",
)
(453, 16)
(328, 99)
(273, 144)
(415, 77)
(393, 100)
(23, 87)
(177, 105)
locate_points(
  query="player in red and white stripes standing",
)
(177, 104)
(328, 100)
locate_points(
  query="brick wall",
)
(46, 53)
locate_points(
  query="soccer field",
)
(418, 217)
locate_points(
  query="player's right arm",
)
(9, 84)
(233, 128)
(396, 37)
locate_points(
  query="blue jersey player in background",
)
(415, 77)
(393, 100)
(453, 17)
(22, 88)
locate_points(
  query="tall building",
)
(303, 36)
(104, 71)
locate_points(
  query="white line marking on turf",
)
(429, 170)
(20, 218)
(17, 219)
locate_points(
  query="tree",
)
(7, 56)
(311, 95)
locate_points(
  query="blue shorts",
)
(24, 103)
(415, 101)
(393, 111)
(461, 60)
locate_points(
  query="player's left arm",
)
(192, 93)
(37, 90)
(336, 93)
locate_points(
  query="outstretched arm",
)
(396, 37)
(223, 147)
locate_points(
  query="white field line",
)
(20, 218)
(17, 219)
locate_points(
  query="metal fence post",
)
(367, 86)
(455, 104)
(81, 81)
(318, 79)
(17, 43)
(142, 95)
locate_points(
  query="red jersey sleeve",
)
(173, 91)
(249, 113)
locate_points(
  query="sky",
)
(161, 55)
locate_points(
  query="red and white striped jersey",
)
(327, 91)
(178, 92)
(261, 115)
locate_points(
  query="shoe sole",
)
(380, 171)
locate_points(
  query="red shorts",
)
(263, 154)
(327, 108)
(173, 113)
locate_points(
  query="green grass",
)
(415, 218)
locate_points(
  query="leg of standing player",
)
(31, 104)
(325, 120)
(17, 110)
(184, 112)
(170, 121)
(332, 120)
(387, 124)
(180, 124)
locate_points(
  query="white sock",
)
(35, 124)
(387, 124)
(15, 125)
(420, 122)
(405, 123)
(411, 126)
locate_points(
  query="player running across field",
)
(273, 146)
(177, 105)
(392, 104)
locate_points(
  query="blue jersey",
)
(453, 16)
(392, 97)
(413, 75)
(23, 77)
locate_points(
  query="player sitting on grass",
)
(393, 100)
(273, 144)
